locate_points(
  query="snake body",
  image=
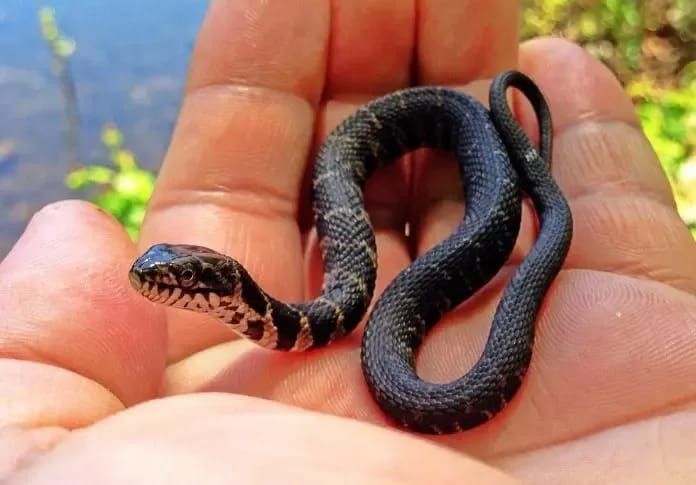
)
(498, 163)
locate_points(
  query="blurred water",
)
(129, 68)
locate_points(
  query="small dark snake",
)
(497, 162)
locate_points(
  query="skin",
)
(99, 384)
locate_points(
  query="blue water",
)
(129, 69)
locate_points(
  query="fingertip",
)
(56, 221)
(371, 46)
(69, 208)
(467, 40)
(272, 44)
(577, 86)
(67, 302)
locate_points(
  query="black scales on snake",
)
(498, 164)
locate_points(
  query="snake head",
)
(168, 273)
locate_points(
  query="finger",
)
(232, 175)
(460, 44)
(370, 54)
(624, 211)
(240, 437)
(76, 343)
(371, 47)
(465, 41)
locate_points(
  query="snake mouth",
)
(135, 280)
(160, 293)
(203, 301)
(145, 283)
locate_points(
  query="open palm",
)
(611, 388)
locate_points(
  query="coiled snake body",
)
(497, 162)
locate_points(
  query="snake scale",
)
(498, 166)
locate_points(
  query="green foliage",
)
(612, 30)
(123, 189)
(61, 46)
(648, 44)
(668, 118)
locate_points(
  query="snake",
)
(499, 167)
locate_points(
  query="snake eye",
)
(187, 277)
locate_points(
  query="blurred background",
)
(89, 92)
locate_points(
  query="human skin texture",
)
(98, 385)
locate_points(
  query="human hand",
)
(610, 393)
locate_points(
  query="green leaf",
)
(113, 203)
(47, 21)
(124, 159)
(64, 47)
(112, 138)
(90, 175)
(135, 216)
(136, 185)
(132, 232)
